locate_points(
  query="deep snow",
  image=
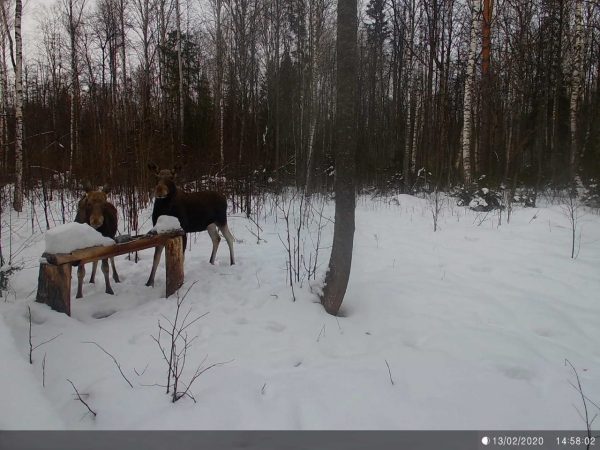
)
(475, 322)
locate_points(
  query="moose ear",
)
(87, 186)
(106, 188)
(176, 169)
(153, 167)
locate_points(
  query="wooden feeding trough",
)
(54, 280)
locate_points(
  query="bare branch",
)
(81, 399)
(114, 360)
(389, 372)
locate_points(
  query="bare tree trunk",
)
(180, 73)
(484, 146)
(18, 195)
(277, 81)
(576, 83)
(3, 96)
(468, 99)
(416, 125)
(340, 262)
(219, 82)
(72, 26)
(314, 43)
(408, 139)
(122, 6)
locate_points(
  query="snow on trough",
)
(164, 224)
(73, 236)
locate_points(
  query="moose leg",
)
(105, 270)
(114, 269)
(215, 238)
(93, 275)
(229, 238)
(80, 277)
(157, 252)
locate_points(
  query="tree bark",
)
(3, 97)
(173, 265)
(336, 280)
(486, 142)
(180, 74)
(18, 195)
(468, 98)
(54, 287)
(219, 101)
(576, 84)
(72, 28)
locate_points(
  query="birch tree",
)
(18, 198)
(316, 16)
(3, 96)
(16, 57)
(468, 97)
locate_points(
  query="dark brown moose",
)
(196, 211)
(95, 210)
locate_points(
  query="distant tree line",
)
(448, 91)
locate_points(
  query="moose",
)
(196, 211)
(95, 210)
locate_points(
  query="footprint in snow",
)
(274, 326)
(544, 332)
(517, 373)
(103, 314)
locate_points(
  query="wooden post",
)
(54, 287)
(174, 264)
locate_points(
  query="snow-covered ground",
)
(465, 328)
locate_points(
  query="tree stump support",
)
(54, 287)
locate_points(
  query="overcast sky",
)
(32, 10)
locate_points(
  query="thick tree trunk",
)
(336, 280)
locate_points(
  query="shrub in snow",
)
(165, 224)
(479, 199)
(6, 270)
(526, 197)
(591, 194)
(72, 236)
